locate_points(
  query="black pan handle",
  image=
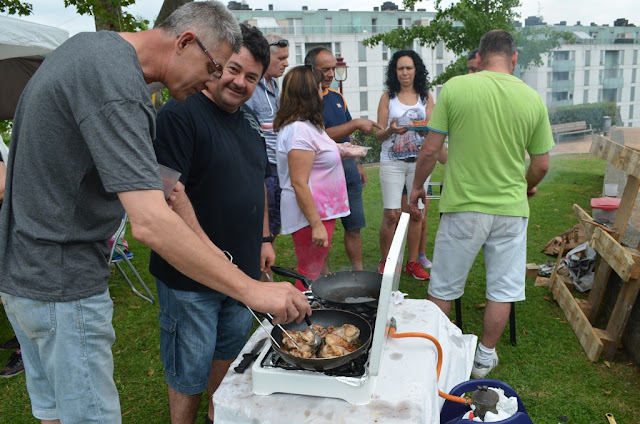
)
(285, 272)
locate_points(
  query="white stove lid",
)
(390, 282)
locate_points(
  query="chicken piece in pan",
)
(349, 332)
(336, 341)
(305, 350)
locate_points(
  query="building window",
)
(439, 69)
(328, 25)
(295, 26)
(585, 97)
(587, 58)
(440, 50)
(560, 95)
(374, 25)
(299, 59)
(586, 77)
(632, 96)
(362, 71)
(630, 112)
(337, 49)
(385, 52)
(600, 76)
(364, 101)
(633, 76)
(635, 57)
(601, 57)
(621, 56)
(362, 53)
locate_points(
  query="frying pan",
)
(341, 288)
(325, 318)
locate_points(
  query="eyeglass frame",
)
(218, 68)
(280, 43)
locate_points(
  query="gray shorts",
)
(460, 237)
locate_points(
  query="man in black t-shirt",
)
(217, 145)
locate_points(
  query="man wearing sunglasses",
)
(264, 104)
(81, 152)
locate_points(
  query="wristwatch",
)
(268, 239)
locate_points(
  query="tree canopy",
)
(15, 7)
(461, 25)
(107, 14)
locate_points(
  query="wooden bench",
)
(570, 128)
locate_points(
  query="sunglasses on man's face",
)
(280, 43)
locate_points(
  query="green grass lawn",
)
(547, 368)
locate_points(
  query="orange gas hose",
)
(457, 399)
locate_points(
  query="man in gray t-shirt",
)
(81, 150)
(264, 104)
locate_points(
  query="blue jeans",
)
(196, 327)
(66, 349)
(355, 220)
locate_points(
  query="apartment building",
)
(601, 65)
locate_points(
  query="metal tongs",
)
(270, 317)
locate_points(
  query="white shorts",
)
(394, 176)
(460, 237)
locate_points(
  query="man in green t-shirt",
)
(492, 120)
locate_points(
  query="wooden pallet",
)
(616, 258)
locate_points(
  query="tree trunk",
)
(168, 6)
(107, 15)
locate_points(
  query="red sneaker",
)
(381, 265)
(416, 271)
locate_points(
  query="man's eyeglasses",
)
(218, 68)
(280, 43)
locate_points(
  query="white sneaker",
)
(480, 370)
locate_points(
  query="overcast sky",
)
(53, 12)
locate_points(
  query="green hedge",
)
(591, 113)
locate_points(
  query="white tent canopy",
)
(22, 45)
(21, 38)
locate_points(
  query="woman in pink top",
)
(314, 190)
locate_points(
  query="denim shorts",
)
(196, 327)
(273, 200)
(460, 237)
(355, 220)
(72, 380)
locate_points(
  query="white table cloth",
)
(406, 390)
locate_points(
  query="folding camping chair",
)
(119, 253)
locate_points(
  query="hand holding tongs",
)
(270, 318)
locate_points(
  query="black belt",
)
(413, 159)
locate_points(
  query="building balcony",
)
(561, 103)
(608, 83)
(562, 85)
(563, 65)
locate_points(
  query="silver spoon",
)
(317, 342)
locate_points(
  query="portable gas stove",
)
(353, 382)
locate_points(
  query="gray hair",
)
(210, 20)
(272, 37)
